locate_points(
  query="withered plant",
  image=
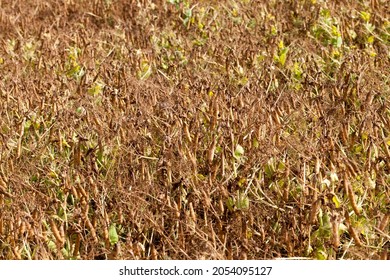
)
(194, 129)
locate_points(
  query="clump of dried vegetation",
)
(194, 129)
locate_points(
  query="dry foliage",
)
(194, 130)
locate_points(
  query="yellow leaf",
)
(365, 16)
(336, 201)
(281, 45)
(370, 39)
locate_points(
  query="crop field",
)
(178, 129)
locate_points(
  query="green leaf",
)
(144, 71)
(242, 201)
(321, 255)
(96, 89)
(281, 166)
(283, 56)
(269, 169)
(52, 246)
(255, 143)
(297, 70)
(239, 151)
(339, 42)
(113, 235)
(230, 203)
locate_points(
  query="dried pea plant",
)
(194, 129)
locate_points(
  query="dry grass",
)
(206, 130)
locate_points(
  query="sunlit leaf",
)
(336, 201)
(239, 151)
(333, 177)
(365, 16)
(283, 56)
(113, 235)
